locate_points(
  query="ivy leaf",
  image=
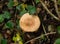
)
(4, 41)
(22, 12)
(58, 29)
(57, 41)
(18, 7)
(9, 24)
(37, 1)
(21, 7)
(31, 9)
(7, 15)
(1, 18)
(10, 4)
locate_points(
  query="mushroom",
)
(29, 23)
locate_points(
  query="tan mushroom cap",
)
(29, 23)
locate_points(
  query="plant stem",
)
(40, 36)
(49, 11)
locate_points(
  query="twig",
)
(40, 36)
(33, 3)
(49, 11)
(56, 8)
(44, 29)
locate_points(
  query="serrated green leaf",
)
(58, 29)
(37, 1)
(9, 24)
(31, 9)
(57, 41)
(4, 41)
(1, 18)
(10, 4)
(7, 15)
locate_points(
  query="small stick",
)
(56, 8)
(33, 3)
(40, 36)
(44, 29)
(49, 11)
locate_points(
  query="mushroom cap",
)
(29, 23)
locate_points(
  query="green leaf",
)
(22, 12)
(57, 41)
(37, 1)
(4, 41)
(18, 7)
(31, 9)
(21, 7)
(9, 24)
(7, 15)
(58, 29)
(1, 18)
(10, 4)
(17, 38)
(20, 42)
(14, 39)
